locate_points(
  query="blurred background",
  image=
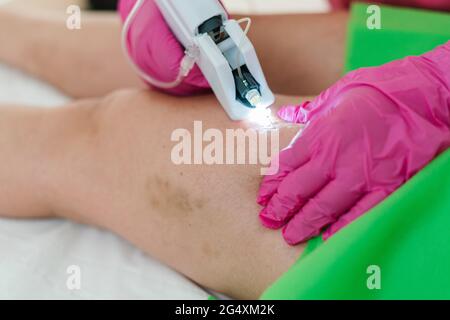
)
(234, 6)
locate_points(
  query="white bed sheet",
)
(35, 255)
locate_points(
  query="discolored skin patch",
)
(170, 199)
(210, 251)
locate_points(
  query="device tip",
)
(253, 97)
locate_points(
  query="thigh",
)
(200, 219)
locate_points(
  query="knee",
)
(120, 108)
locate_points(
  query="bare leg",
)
(108, 163)
(300, 54)
(82, 63)
(28, 152)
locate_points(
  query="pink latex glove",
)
(365, 136)
(154, 48)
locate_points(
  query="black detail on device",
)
(244, 84)
(214, 28)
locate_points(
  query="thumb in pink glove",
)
(365, 136)
(154, 48)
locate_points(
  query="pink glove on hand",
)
(365, 136)
(154, 48)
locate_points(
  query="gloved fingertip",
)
(289, 238)
(266, 191)
(288, 113)
(263, 200)
(331, 230)
(296, 236)
(268, 221)
(327, 234)
(294, 113)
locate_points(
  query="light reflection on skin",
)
(265, 121)
(262, 119)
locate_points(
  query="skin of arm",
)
(107, 163)
(89, 62)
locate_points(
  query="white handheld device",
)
(222, 51)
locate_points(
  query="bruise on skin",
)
(171, 199)
(209, 251)
(174, 202)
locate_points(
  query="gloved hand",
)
(154, 48)
(365, 136)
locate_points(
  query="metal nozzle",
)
(247, 88)
(253, 97)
